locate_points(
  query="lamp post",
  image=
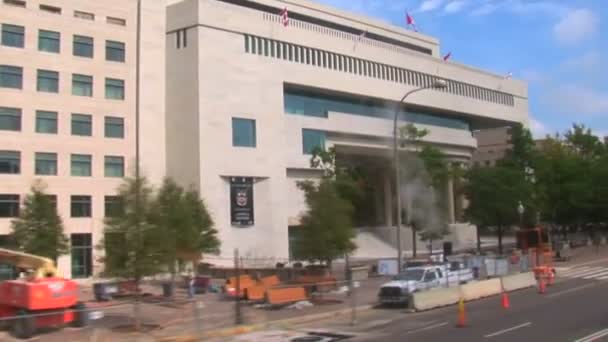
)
(437, 84)
(520, 211)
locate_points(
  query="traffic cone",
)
(461, 314)
(541, 285)
(505, 300)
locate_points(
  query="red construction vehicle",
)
(42, 298)
(535, 243)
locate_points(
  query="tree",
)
(326, 231)
(185, 224)
(39, 229)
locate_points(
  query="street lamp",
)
(437, 84)
(520, 211)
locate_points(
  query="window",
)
(80, 206)
(10, 119)
(83, 46)
(113, 206)
(243, 132)
(114, 166)
(46, 122)
(9, 205)
(115, 51)
(13, 35)
(50, 9)
(17, 3)
(81, 165)
(49, 41)
(312, 139)
(116, 21)
(115, 89)
(82, 255)
(48, 81)
(10, 162)
(82, 85)
(82, 124)
(84, 15)
(11, 77)
(114, 127)
(46, 164)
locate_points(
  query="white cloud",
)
(579, 25)
(589, 61)
(455, 6)
(578, 100)
(538, 129)
(532, 76)
(430, 5)
(521, 7)
(485, 9)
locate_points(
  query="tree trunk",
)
(413, 242)
(478, 240)
(499, 240)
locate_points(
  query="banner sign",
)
(241, 201)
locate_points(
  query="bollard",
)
(505, 300)
(541, 285)
(461, 314)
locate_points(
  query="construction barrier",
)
(518, 281)
(279, 296)
(480, 289)
(426, 300)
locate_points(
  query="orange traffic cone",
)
(461, 314)
(541, 285)
(505, 300)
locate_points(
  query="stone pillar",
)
(450, 201)
(388, 201)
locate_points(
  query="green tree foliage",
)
(39, 229)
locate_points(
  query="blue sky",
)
(557, 46)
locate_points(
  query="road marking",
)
(575, 270)
(602, 278)
(589, 262)
(574, 289)
(596, 275)
(593, 336)
(432, 326)
(584, 273)
(527, 324)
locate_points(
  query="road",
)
(573, 309)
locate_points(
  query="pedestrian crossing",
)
(585, 272)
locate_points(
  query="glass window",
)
(84, 15)
(9, 205)
(113, 206)
(114, 127)
(46, 164)
(312, 139)
(82, 85)
(49, 41)
(81, 165)
(13, 35)
(114, 166)
(50, 9)
(116, 21)
(83, 46)
(115, 89)
(10, 162)
(11, 76)
(82, 124)
(243, 132)
(46, 122)
(16, 3)
(80, 206)
(115, 51)
(82, 255)
(10, 119)
(48, 81)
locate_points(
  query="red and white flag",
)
(447, 57)
(410, 21)
(284, 17)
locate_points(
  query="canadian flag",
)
(447, 57)
(284, 17)
(410, 21)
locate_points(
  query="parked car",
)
(421, 278)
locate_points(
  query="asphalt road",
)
(571, 310)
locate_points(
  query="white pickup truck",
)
(421, 278)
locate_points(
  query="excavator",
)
(39, 298)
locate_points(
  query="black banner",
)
(241, 201)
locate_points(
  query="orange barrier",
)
(285, 295)
(256, 293)
(245, 282)
(322, 283)
(270, 281)
(462, 316)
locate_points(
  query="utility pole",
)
(136, 307)
(238, 318)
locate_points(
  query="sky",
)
(557, 46)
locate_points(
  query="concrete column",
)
(388, 201)
(378, 193)
(450, 202)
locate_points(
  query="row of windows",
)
(46, 164)
(244, 135)
(46, 122)
(329, 60)
(80, 205)
(50, 41)
(48, 81)
(58, 10)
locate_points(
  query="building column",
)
(388, 201)
(378, 193)
(450, 202)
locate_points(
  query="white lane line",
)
(602, 278)
(596, 275)
(573, 270)
(432, 326)
(527, 324)
(582, 274)
(574, 289)
(593, 336)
